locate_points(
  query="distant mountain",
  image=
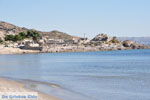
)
(7, 28)
(141, 40)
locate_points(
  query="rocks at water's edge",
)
(56, 41)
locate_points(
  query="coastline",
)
(21, 40)
(7, 85)
(8, 50)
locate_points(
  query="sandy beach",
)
(9, 50)
(7, 85)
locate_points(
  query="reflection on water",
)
(115, 75)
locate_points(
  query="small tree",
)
(17, 38)
(22, 35)
(34, 34)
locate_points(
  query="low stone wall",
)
(31, 48)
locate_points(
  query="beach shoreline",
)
(8, 50)
(8, 85)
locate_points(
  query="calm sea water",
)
(108, 75)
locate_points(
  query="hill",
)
(35, 41)
(8, 28)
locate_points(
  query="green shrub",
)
(22, 35)
(13, 38)
(18, 38)
(34, 34)
(1, 41)
(9, 37)
(115, 40)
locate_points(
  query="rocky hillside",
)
(7, 28)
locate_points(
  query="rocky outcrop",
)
(140, 40)
(102, 37)
(128, 43)
(133, 45)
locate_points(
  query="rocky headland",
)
(19, 40)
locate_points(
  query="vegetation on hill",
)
(33, 34)
(8, 28)
(22, 35)
(114, 40)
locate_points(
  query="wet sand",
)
(7, 85)
(8, 50)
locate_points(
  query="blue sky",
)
(76, 17)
